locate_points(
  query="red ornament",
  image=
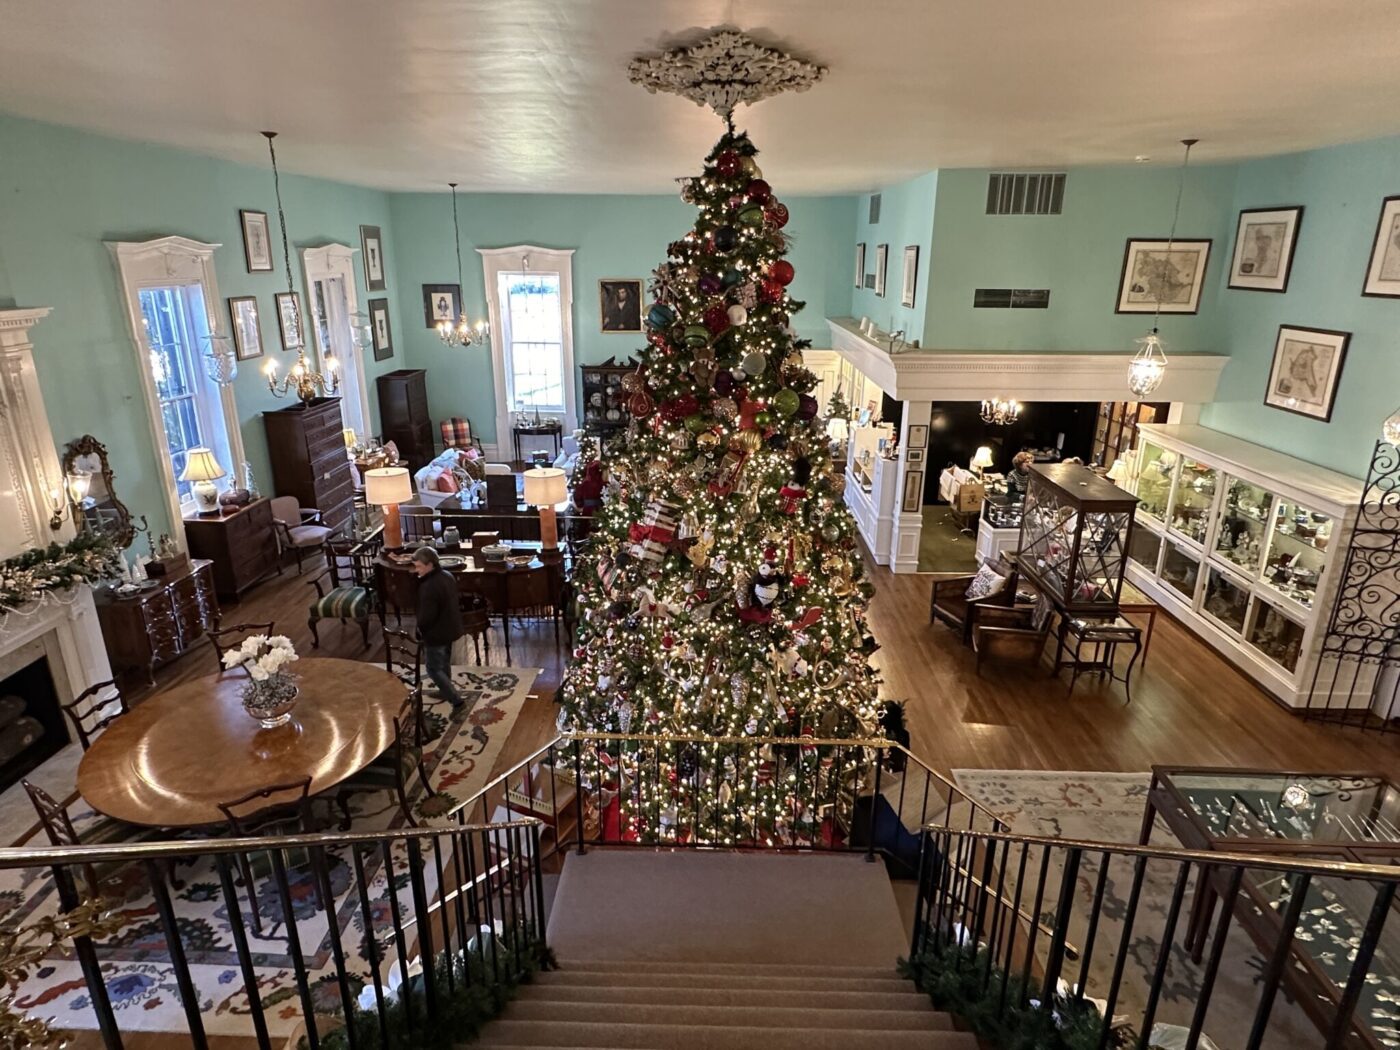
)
(777, 214)
(769, 291)
(640, 404)
(716, 319)
(728, 164)
(759, 191)
(678, 408)
(782, 272)
(668, 640)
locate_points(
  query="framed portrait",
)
(441, 302)
(913, 501)
(1383, 273)
(860, 265)
(620, 304)
(1307, 367)
(380, 332)
(257, 241)
(247, 330)
(1154, 276)
(372, 248)
(911, 275)
(882, 256)
(1264, 243)
(918, 435)
(289, 318)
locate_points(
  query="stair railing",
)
(1316, 924)
(454, 915)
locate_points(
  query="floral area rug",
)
(459, 756)
(1108, 807)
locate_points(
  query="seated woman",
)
(1020, 477)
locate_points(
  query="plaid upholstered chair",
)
(457, 433)
(351, 600)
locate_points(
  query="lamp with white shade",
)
(545, 488)
(1118, 472)
(203, 469)
(387, 487)
(982, 459)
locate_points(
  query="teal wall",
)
(1078, 255)
(906, 217)
(613, 236)
(1341, 191)
(64, 192)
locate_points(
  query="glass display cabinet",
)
(1075, 531)
(1181, 569)
(1193, 496)
(1144, 548)
(1242, 534)
(1297, 551)
(1154, 483)
(1276, 636)
(1226, 599)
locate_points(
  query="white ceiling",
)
(532, 95)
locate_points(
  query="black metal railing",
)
(1148, 960)
(388, 935)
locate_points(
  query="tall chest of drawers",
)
(158, 625)
(403, 414)
(307, 446)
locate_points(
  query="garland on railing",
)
(37, 573)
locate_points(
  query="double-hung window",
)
(532, 312)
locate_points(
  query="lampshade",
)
(983, 458)
(544, 487)
(388, 486)
(1118, 472)
(351, 440)
(200, 465)
(837, 428)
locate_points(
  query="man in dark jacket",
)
(439, 621)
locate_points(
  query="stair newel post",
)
(578, 794)
(876, 756)
(1056, 958)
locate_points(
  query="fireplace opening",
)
(32, 726)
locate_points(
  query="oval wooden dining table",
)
(174, 757)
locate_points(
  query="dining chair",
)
(277, 809)
(392, 770)
(403, 652)
(353, 600)
(297, 528)
(104, 831)
(90, 715)
(225, 638)
(476, 622)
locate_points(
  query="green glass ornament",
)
(696, 423)
(762, 419)
(786, 402)
(696, 335)
(752, 215)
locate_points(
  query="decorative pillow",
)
(987, 582)
(446, 482)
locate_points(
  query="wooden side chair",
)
(58, 826)
(298, 529)
(393, 770)
(403, 652)
(949, 600)
(225, 638)
(476, 623)
(277, 809)
(1011, 635)
(350, 601)
(90, 714)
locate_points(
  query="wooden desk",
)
(176, 756)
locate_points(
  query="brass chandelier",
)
(463, 333)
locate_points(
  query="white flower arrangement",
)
(261, 656)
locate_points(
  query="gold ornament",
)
(707, 440)
(837, 484)
(725, 408)
(632, 383)
(793, 360)
(746, 441)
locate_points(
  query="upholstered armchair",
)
(949, 600)
(298, 529)
(1014, 635)
(457, 433)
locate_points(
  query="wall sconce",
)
(61, 504)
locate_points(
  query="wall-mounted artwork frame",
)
(246, 326)
(860, 265)
(911, 276)
(1383, 271)
(1306, 371)
(257, 240)
(1265, 239)
(882, 257)
(918, 435)
(620, 305)
(372, 251)
(1157, 276)
(381, 332)
(290, 319)
(441, 302)
(913, 498)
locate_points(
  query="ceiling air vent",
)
(1025, 194)
(874, 208)
(1011, 298)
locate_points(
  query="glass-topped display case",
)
(1000, 511)
(1193, 495)
(1226, 599)
(1154, 480)
(1243, 532)
(1075, 529)
(1297, 551)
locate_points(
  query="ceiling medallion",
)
(723, 70)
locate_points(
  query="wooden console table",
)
(158, 625)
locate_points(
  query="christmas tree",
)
(723, 595)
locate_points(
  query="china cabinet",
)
(1240, 542)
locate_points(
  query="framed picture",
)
(913, 501)
(918, 435)
(914, 457)
(1383, 274)
(882, 256)
(620, 304)
(860, 265)
(1264, 243)
(247, 330)
(441, 302)
(372, 246)
(1307, 366)
(257, 241)
(380, 331)
(911, 275)
(1154, 276)
(289, 317)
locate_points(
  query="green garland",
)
(954, 979)
(29, 576)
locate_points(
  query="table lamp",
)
(387, 487)
(983, 459)
(544, 488)
(1118, 473)
(837, 430)
(203, 469)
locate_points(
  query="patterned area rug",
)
(1108, 807)
(459, 756)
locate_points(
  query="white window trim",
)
(518, 258)
(318, 264)
(160, 263)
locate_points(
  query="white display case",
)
(871, 483)
(1241, 543)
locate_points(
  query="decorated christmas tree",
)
(723, 595)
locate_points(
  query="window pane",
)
(173, 362)
(535, 347)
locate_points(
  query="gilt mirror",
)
(88, 477)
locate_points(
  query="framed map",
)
(1383, 272)
(1307, 366)
(1264, 243)
(1157, 276)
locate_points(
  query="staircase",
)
(688, 950)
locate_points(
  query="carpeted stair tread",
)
(721, 968)
(601, 978)
(622, 1036)
(897, 998)
(730, 1016)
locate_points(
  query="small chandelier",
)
(463, 333)
(1149, 365)
(220, 360)
(303, 379)
(1000, 411)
